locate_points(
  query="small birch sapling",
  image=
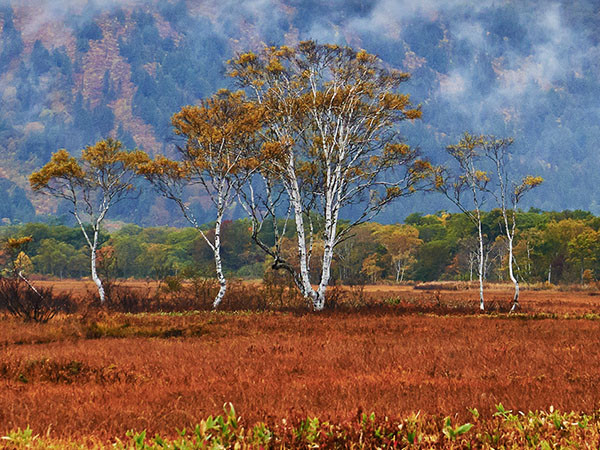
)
(508, 193)
(468, 178)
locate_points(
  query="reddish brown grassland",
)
(100, 374)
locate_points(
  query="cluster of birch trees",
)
(314, 128)
(482, 174)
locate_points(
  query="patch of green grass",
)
(503, 429)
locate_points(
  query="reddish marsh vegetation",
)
(103, 374)
(429, 297)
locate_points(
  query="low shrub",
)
(127, 299)
(39, 305)
(176, 294)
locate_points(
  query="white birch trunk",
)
(31, 286)
(332, 202)
(471, 261)
(316, 297)
(480, 233)
(325, 274)
(510, 233)
(93, 246)
(330, 229)
(218, 263)
(515, 304)
(94, 271)
(303, 282)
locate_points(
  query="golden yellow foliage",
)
(246, 58)
(16, 243)
(364, 57)
(275, 66)
(480, 175)
(162, 166)
(61, 165)
(394, 101)
(23, 263)
(532, 181)
(101, 161)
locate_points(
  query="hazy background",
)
(72, 72)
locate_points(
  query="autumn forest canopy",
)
(560, 247)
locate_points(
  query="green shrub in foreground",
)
(503, 430)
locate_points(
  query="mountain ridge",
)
(73, 72)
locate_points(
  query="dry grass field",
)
(571, 300)
(100, 374)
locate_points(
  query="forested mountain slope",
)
(74, 71)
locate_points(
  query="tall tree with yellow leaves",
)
(219, 153)
(331, 131)
(93, 183)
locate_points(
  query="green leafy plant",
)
(453, 432)
(20, 438)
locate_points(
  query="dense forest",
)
(560, 247)
(74, 72)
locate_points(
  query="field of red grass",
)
(100, 374)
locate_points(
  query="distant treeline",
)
(560, 247)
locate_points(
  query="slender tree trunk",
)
(325, 275)
(485, 264)
(480, 233)
(550, 273)
(303, 281)
(330, 226)
(471, 266)
(93, 246)
(510, 232)
(515, 304)
(28, 283)
(331, 219)
(218, 263)
(95, 276)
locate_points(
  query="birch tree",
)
(331, 134)
(219, 155)
(92, 184)
(508, 194)
(471, 180)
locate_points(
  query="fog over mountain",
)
(74, 71)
